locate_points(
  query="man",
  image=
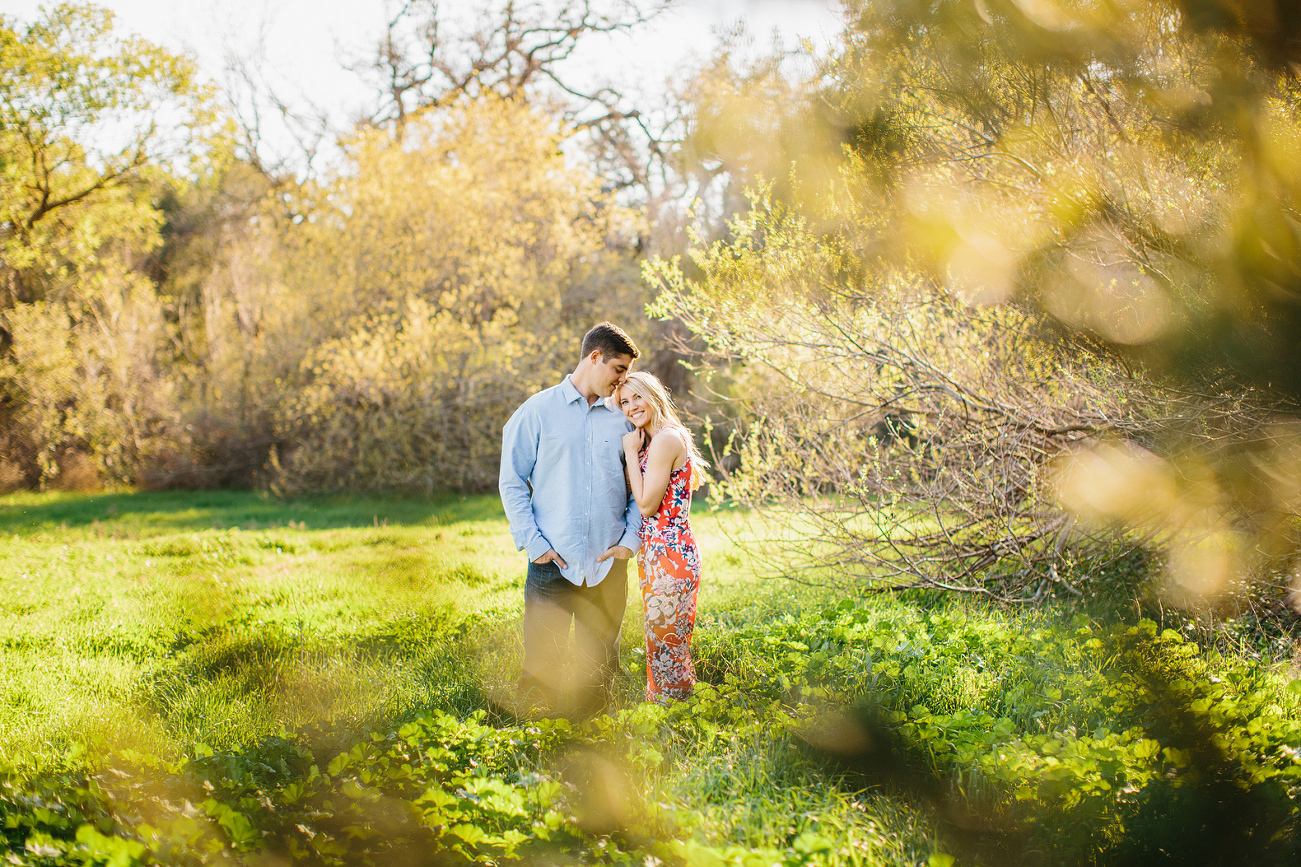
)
(562, 484)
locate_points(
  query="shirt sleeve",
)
(519, 454)
(632, 525)
(632, 519)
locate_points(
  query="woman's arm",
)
(664, 453)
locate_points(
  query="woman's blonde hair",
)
(648, 387)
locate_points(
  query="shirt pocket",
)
(609, 460)
(560, 448)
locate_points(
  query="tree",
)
(1120, 175)
(446, 273)
(370, 326)
(84, 118)
(903, 434)
(87, 121)
(429, 58)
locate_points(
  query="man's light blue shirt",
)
(571, 454)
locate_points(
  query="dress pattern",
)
(668, 570)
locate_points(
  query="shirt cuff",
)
(537, 549)
(631, 541)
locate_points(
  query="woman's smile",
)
(635, 408)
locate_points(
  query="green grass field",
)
(166, 620)
(199, 677)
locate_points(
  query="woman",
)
(663, 468)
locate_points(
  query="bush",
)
(406, 404)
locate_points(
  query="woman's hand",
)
(664, 452)
(633, 441)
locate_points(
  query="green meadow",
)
(169, 620)
(225, 676)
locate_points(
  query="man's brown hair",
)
(611, 340)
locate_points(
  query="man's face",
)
(609, 373)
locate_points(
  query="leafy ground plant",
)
(338, 702)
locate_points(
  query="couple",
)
(594, 470)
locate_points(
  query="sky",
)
(307, 44)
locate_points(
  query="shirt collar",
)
(570, 391)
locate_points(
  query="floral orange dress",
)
(669, 572)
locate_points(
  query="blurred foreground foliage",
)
(868, 733)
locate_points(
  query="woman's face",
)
(636, 408)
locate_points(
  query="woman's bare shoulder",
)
(673, 444)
